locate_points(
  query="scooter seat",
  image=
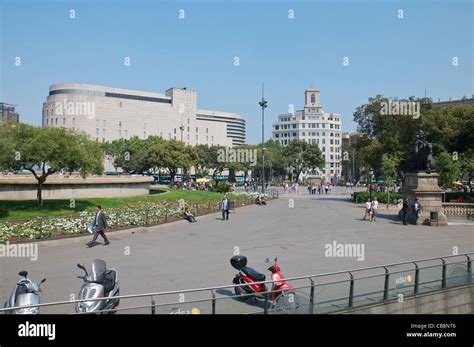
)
(253, 274)
(109, 281)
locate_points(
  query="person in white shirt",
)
(375, 206)
(368, 207)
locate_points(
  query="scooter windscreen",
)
(98, 270)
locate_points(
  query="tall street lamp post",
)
(263, 105)
(182, 152)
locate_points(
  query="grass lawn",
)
(16, 210)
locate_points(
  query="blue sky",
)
(396, 57)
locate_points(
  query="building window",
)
(120, 133)
(126, 133)
(144, 125)
(207, 130)
(144, 134)
(313, 98)
(197, 129)
(120, 123)
(174, 131)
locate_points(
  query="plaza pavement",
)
(182, 255)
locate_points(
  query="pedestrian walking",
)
(368, 207)
(225, 208)
(375, 206)
(100, 224)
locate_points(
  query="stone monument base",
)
(424, 187)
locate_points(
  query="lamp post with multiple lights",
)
(263, 105)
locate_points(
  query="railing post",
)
(209, 206)
(311, 297)
(443, 280)
(417, 278)
(265, 307)
(351, 291)
(386, 284)
(153, 308)
(469, 268)
(146, 217)
(213, 301)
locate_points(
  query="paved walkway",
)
(180, 255)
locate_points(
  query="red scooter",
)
(249, 276)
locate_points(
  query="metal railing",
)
(311, 292)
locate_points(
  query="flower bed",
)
(139, 214)
(45, 228)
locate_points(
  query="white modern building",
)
(317, 127)
(107, 114)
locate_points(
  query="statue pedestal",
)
(424, 187)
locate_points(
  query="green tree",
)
(302, 156)
(46, 151)
(389, 171)
(168, 154)
(7, 147)
(448, 169)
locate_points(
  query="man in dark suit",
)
(100, 224)
(405, 211)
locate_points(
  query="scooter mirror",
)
(23, 273)
(267, 260)
(43, 280)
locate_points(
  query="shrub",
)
(221, 187)
(360, 197)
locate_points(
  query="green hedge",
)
(221, 187)
(360, 197)
(456, 195)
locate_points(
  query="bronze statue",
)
(422, 155)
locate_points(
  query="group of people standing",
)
(416, 209)
(371, 208)
(321, 188)
(294, 188)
